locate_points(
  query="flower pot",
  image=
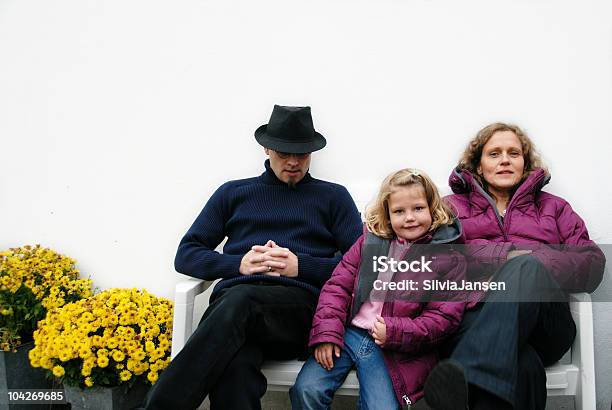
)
(16, 373)
(106, 398)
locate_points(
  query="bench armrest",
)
(184, 297)
(583, 350)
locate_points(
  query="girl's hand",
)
(323, 354)
(379, 331)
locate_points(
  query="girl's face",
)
(409, 212)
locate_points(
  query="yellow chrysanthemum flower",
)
(118, 355)
(152, 377)
(125, 375)
(35, 276)
(102, 361)
(129, 326)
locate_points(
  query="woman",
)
(497, 358)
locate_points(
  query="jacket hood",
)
(462, 181)
(448, 233)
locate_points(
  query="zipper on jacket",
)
(387, 305)
(492, 203)
(515, 198)
(502, 225)
(386, 310)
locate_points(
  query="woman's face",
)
(502, 162)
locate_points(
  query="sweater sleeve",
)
(346, 227)
(196, 255)
(578, 264)
(438, 320)
(335, 300)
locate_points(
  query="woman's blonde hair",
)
(473, 152)
(377, 215)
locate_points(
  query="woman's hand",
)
(379, 331)
(517, 252)
(324, 353)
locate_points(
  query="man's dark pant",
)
(504, 344)
(242, 326)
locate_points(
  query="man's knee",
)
(233, 308)
(237, 300)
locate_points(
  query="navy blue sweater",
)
(314, 220)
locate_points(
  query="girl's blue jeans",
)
(315, 386)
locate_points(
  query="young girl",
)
(390, 340)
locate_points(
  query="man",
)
(284, 231)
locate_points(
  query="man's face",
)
(289, 168)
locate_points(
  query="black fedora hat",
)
(290, 130)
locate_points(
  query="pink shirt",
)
(366, 316)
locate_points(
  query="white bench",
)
(574, 379)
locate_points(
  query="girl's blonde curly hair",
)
(377, 215)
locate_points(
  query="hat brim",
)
(275, 144)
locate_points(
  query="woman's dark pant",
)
(243, 325)
(505, 342)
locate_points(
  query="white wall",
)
(119, 118)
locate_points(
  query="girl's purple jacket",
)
(414, 328)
